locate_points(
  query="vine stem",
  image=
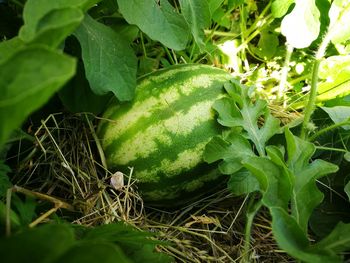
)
(253, 208)
(310, 107)
(284, 75)
(329, 128)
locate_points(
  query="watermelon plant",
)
(180, 98)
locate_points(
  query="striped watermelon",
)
(163, 131)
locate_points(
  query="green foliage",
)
(339, 115)
(25, 69)
(302, 21)
(197, 16)
(286, 175)
(160, 22)
(58, 243)
(339, 15)
(102, 51)
(280, 7)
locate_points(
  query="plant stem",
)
(8, 211)
(143, 45)
(284, 75)
(329, 128)
(331, 149)
(310, 107)
(253, 208)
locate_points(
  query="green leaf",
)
(227, 150)
(243, 182)
(25, 208)
(280, 7)
(304, 20)
(339, 114)
(91, 252)
(14, 218)
(241, 111)
(292, 239)
(25, 69)
(118, 232)
(339, 15)
(306, 195)
(9, 47)
(197, 16)
(334, 71)
(267, 45)
(337, 241)
(214, 5)
(51, 22)
(41, 244)
(110, 63)
(136, 244)
(160, 21)
(274, 181)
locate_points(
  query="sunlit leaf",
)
(302, 26)
(280, 7)
(339, 15)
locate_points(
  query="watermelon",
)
(162, 133)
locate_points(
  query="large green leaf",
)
(91, 252)
(197, 15)
(306, 195)
(292, 239)
(274, 182)
(339, 15)
(42, 244)
(29, 79)
(302, 26)
(339, 114)
(50, 22)
(9, 47)
(110, 63)
(137, 245)
(160, 21)
(334, 72)
(338, 240)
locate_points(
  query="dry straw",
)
(66, 167)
